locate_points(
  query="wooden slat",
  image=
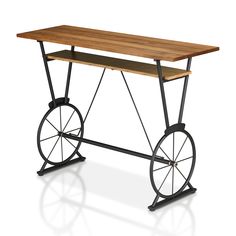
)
(117, 64)
(154, 48)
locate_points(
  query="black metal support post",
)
(159, 72)
(181, 110)
(47, 72)
(68, 76)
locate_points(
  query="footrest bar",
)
(59, 166)
(170, 200)
(114, 148)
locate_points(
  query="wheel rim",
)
(168, 180)
(54, 148)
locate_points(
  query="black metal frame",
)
(161, 81)
(55, 102)
(178, 126)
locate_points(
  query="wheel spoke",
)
(60, 119)
(184, 159)
(68, 121)
(165, 179)
(69, 142)
(48, 138)
(61, 150)
(72, 130)
(181, 148)
(173, 180)
(60, 136)
(181, 173)
(53, 148)
(165, 153)
(161, 168)
(173, 146)
(52, 125)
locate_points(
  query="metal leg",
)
(68, 76)
(47, 72)
(53, 104)
(58, 102)
(181, 110)
(174, 192)
(159, 72)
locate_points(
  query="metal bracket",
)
(175, 127)
(58, 101)
(43, 171)
(156, 205)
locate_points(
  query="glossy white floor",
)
(109, 193)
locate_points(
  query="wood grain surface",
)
(154, 48)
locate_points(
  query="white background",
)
(114, 188)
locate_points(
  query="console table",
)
(61, 130)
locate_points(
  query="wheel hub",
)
(173, 163)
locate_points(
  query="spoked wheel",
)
(168, 180)
(54, 148)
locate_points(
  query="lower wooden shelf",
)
(169, 73)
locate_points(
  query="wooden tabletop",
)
(154, 48)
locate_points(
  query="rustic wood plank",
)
(154, 48)
(117, 64)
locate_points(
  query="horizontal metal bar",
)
(114, 148)
(170, 200)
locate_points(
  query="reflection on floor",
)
(70, 197)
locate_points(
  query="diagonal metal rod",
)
(155, 200)
(43, 166)
(95, 94)
(181, 110)
(90, 103)
(140, 119)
